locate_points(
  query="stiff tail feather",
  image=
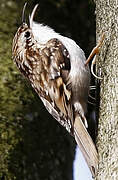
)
(86, 145)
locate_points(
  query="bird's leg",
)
(94, 53)
(95, 49)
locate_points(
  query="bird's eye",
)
(27, 34)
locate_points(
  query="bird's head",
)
(23, 38)
(24, 44)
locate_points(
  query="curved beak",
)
(23, 13)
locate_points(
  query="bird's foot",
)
(94, 54)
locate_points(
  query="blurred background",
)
(33, 146)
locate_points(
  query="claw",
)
(92, 88)
(92, 97)
(92, 71)
(94, 52)
(91, 103)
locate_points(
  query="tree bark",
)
(107, 141)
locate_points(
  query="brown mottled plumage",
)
(55, 66)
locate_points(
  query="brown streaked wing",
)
(56, 62)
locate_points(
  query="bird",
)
(59, 73)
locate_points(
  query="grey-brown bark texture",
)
(107, 142)
(33, 146)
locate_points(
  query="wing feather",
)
(56, 62)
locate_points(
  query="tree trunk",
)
(107, 141)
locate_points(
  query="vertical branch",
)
(107, 141)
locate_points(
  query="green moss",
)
(14, 98)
